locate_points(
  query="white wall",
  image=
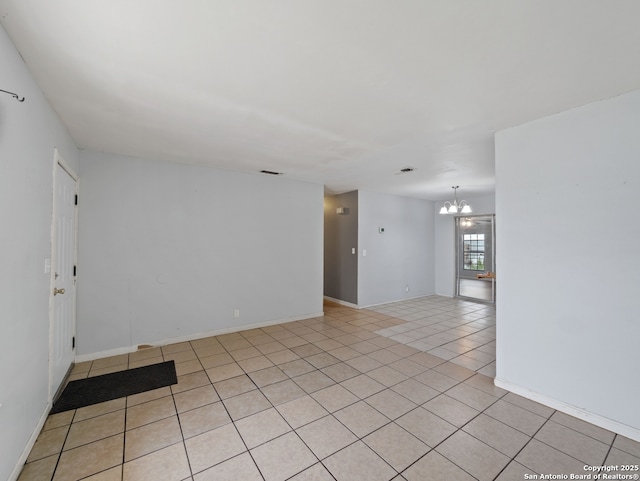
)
(402, 256)
(567, 232)
(445, 249)
(28, 133)
(169, 250)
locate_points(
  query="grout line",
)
(342, 322)
(124, 436)
(62, 445)
(610, 448)
(525, 445)
(184, 444)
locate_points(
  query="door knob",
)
(58, 291)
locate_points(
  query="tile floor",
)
(459, 331)
(399, 392)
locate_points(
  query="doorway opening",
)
(475, 258)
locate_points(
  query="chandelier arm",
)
(455, 207)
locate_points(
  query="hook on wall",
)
(15, 96)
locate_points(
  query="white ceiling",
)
(339, 92)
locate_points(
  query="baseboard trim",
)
(15, 474)
(192, 337)
(601, 421)
(450, 296)
(341, 302)
(396, 300)
(356, 306)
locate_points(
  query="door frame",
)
(456, 276)
(58, 161)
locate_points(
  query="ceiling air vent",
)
(270, 172)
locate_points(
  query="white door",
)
(62, 348)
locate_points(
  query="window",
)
(473, 248)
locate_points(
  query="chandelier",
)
(454, 207)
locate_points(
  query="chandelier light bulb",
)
(455, 206)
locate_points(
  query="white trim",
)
(192, 337)
(59, 161)
(356, 306)
(111, 352)
(397, 300)
(29, 446)
(580, 413)
(341, 302)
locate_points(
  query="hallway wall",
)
(401, 257)
(340, 239)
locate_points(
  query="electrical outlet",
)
(407, 288)
(236, 313)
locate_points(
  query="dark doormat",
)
(94, 390)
